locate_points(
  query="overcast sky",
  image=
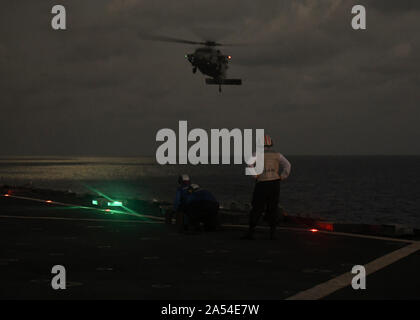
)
(311, 81)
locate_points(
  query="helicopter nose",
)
(190, 57)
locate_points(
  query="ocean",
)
(357, 189)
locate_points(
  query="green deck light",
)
(95, 202)
(115, 204)
(131, 212)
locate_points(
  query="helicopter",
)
(206, 58)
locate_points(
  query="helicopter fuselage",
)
(209, 61)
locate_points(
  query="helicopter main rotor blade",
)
(177, 40)
(168, 39)
(234, 44)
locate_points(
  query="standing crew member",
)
(267, 189)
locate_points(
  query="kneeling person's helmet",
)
(184, 179)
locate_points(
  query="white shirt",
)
(276, 167)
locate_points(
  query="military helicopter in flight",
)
(207, 58)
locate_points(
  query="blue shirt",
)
(181, 197)
(200, 195)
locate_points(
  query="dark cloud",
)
(309, 79)
(392, 6)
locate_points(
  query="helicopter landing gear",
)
(194, 69)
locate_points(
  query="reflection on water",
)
(357, 189)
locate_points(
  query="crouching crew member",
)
(267, 189)
(201, 207)
(182, 193)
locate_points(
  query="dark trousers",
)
(205, 212)
(265, 199)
